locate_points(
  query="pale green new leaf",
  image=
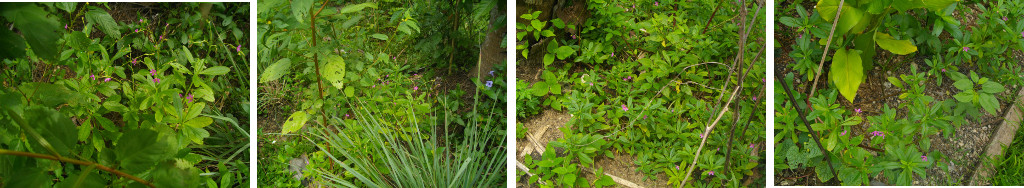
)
(358, 7)
(300, 9)
(199, 122)
(218, 70)
(847, 19)
(275, 71)
(379, 36)
(901, 47)
(294, 123)
(847, 73)
(334, 71)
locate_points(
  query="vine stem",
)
(75, 161)
(835, 20)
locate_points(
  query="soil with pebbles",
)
(964, 149)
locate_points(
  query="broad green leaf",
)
(57, 131)
(138, 150)
(67, 6)
(938, 5)
(30, 177)
(334, 71)
(964, 84)
(168, 175)
(295, 122)
(115, 106)
(866, 44)
(904, 5)
(195, 134)
(847, 18)
(79, 40)
(564, 52)
(992, 87)
(540, 89)
(538, 25)
(199, 122)
(548, 59)
(356, 8)
(895, 81)
(350, 92)
(90, 178)
(43, 36)
(300, 9)
(194, 110)
(218, 70)
(847, 73)
(901, 47)
(989, 102)
(105, 22)
(275, 71)
(379, 36)
(11, 45)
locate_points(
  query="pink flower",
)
(924, 158)
(92, 76)
(1005, 19)
(136, 30)
(161, 37)
(711, 173)
(624, 108)
(755, 99)
(878, 133)
(414, 88)
(134, 61)
(106, 80)
(156, 80)
(677, 167)
(966, 48)
(140, 20)
(152, 72)
(189, 97)
(751, 145)
(613, 54)
(346, 115)
(65, 26)
(843, 134)
(702, 135)
(857, 110)
(655, 3)
(943, 70)
(645, 116)
(239, 48)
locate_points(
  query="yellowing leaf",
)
(294, 123)
(847, 73)
(847, 18)
(901, 47)
(334, 71)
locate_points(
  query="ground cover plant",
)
(891, 92)
(656, 93)
(381, 94)
(124, 94)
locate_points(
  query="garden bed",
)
(964, 150)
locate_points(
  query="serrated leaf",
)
(43, 36)
(138, 150)
(105, 22)
(334, 71)
(11, 45)
(79, 40)
(295, 122)
(300, 9)
(218, 70)
(67, 6)
(847, 73)
(276, 70)
(901, 47)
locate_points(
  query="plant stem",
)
(828, 157)
(835, 20)
(78, 162)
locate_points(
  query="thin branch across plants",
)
(75, 161)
